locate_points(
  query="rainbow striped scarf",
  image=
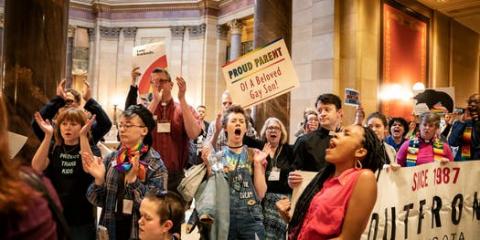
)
(125, 155)
(413, 149)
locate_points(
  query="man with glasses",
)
(465, 133)
(66, 98)
(176, 124)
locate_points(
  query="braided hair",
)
(373, 160)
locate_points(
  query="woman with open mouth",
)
(398, 131)
(243, 171)
(339, 200)
(279, 164)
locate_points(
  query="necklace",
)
(236, 147)
(72, 149)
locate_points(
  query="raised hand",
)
(61, 89)
(131, 175)
(218, 122)
(87, 92)
(94, 166)
(88, 125)
(359, 115)
(135, 74)
(46, 126)
(182, 88)
(260, 157)
(294, 179)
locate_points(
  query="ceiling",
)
(466, 12)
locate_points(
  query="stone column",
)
(91, 60)
(195, 62)
(107, 73)
(35, 37)
(69, 59)
(235, 39)
(176, 50)
(124, 64)
(272, 21)
(222, 32)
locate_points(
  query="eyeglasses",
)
(162, 195)
(128, 126)
(226, 103)
(160, 81)
(273, 128)
(68, 102)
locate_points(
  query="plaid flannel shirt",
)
(105, 196)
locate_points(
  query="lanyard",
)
(275, 157)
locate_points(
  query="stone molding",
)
(222, 31)
(203, 7)
(236, 26)
(177, 32)
(129, 32)
(91, 34)
(109, 32)
(197, 31)
(71, 31)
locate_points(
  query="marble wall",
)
(195, 38)
(313, 41)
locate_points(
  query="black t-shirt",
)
(309, 150)
(71, 182)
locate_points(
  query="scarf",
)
(467, 143)
(413, 148)
(125, 154)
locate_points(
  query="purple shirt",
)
(424, 155)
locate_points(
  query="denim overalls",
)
(246, 219)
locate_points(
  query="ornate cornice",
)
(204, 7)
(222, 31)
(177, 31)
(197, 31)
(235, 26)
(109, 33)
(129, 32)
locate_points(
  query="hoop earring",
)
(358, 164)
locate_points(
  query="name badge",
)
(274, 174)
(127, 206)
(163, 127)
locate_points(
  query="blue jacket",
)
(456, 138)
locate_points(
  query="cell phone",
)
(459, 110)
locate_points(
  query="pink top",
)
(324, 218)
(424, 155)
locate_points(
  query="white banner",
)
(148, 57)
(430, 201)
(260, 75)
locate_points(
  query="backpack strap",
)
(34, 181)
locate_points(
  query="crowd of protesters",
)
(161, 135)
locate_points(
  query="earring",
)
(358, 164)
